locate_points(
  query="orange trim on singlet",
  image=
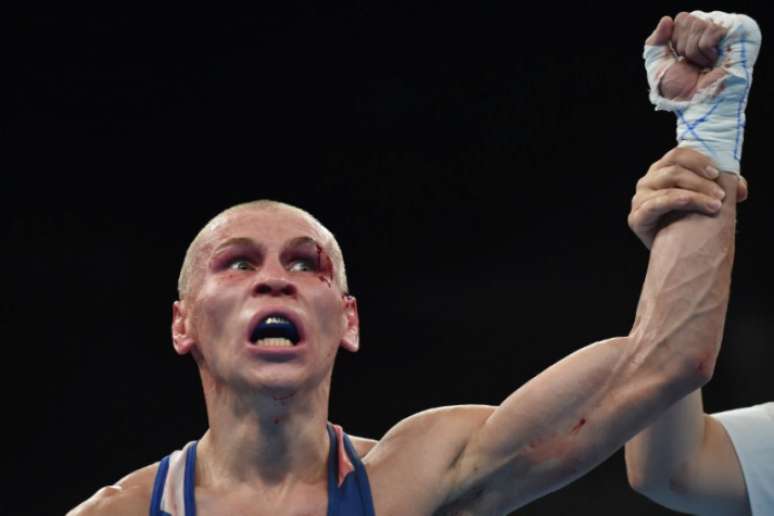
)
(345, 465)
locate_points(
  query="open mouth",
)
(275, 330)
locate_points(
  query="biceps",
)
(581, 405)
(563, 422)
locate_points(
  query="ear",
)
(181, 337)
(351, 339)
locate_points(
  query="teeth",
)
(275, 342)
(276, 320)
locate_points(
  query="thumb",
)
(663, 32)
(742, 190)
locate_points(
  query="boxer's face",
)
(265, 311)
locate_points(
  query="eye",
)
(301, 265)
(240, 264)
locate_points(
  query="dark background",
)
(476, 165)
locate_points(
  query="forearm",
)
(660, 459)
(680, 318)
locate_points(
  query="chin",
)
(277, 382)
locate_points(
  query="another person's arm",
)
(686, 461)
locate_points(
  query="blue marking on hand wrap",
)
(690, 129)
(740, 107)
(690, 126)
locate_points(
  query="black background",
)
(476, 165)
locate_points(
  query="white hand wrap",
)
(712, 121)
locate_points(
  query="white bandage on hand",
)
(712, 121)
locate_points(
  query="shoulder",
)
(426, 447)
(443, 428)
(433, 440)
(129, 496)
(362, 445)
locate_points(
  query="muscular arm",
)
(685, 459)
(579, 411)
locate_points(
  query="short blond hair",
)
(186, 270)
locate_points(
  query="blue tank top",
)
(173, 488)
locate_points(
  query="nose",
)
(274, 287)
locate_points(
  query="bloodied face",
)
(264, 309)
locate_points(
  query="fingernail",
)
(719, 193)
(712, 172)
(715, 204)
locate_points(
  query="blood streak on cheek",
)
(325, 265)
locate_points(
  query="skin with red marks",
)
(277, 445)
(325, 266)
(705, 364)
(259, 262)
(578, 426)
(477, 459)
(284, 401)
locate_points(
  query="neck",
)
(264, 437)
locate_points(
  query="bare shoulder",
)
(427, 448)
(434, 440)
(129, 496)
(362, 445)
(442, 428)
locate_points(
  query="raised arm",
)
(579, 411)
(684, 460)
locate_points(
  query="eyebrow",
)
(235, 241)
(244, 241)
(304, 240)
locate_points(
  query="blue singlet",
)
(352, 498)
